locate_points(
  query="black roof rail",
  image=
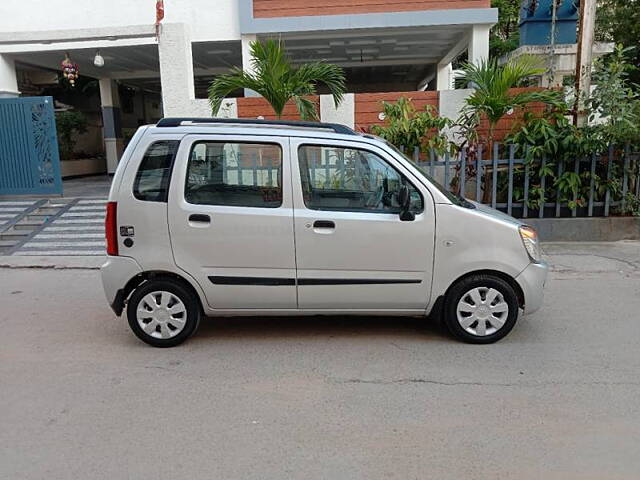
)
(177, 121)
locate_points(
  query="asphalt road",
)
(324, 398)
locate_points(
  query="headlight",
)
(531, 244)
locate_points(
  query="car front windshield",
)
(455, 199)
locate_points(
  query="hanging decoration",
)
(70, 70)
(159, 16)
(98, 60)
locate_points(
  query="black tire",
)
(457, 291)
(191, 303)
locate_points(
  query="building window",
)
(351, 180)
(235, 174)
(152, 180)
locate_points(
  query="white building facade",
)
(398, 46)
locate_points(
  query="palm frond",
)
(275, 78)
(327, 74)
(306, 107)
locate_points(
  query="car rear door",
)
(231, 220)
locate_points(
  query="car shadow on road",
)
(301, 327)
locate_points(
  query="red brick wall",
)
(369, 105)
(289, 8)
(253, 107)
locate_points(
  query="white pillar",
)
(344, 114)
(479, 44)
(444, 77)
(176, 70)
(111, 126)
(8, 79)
(246, 41)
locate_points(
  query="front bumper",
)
(116, 273)
(532, 280)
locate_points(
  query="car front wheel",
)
(481, 309)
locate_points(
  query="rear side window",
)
(234, 174)
(152, 180)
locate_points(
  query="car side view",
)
(214, 217)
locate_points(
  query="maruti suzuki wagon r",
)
(249, 217)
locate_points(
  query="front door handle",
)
(199, 217)
(324, 224)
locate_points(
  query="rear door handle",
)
(199, 217)
(324, 224)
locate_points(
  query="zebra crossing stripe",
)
(78, 220)
(86, 208)
(67, 235)
(47, 244)
(45, 253)
(75, 228)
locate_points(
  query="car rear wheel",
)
(163, 313)
(481, 309)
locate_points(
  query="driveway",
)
(323, 398)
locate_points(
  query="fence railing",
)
(596, 185)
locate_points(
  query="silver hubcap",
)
(482, 311)
(161, 314)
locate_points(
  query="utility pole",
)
(586, 27)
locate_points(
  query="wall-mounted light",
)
(98, 60)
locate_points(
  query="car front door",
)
(231, 220)
(352, 249)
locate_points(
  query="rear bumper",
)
(116, 273)
(532, 280)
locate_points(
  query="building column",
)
(444, 77)
(8, 79)
(343, 114)
(176, 70)
(246, 41)
(112, 128)
(479, 44)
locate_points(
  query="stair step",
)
(14, 235)
(38, 217)
(46, 211)
(7, 243)
(26, 225)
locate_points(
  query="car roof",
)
(258, 127)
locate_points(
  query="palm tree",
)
(492, 97)
(278, 81)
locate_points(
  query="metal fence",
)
(597, 185)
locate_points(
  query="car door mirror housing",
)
(404, 200)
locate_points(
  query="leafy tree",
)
(405, 127)
(505, 35)
(614, 99)
(278, 81)
(619, 21)
(68, 124)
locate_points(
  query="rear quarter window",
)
(154, 173)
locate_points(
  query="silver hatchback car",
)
(249, 217)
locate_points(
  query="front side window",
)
(152, 180)
(351, 179)
(234, 174)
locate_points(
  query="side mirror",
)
(404, 200)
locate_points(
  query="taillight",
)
(111, 228)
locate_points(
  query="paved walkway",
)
(77, 229)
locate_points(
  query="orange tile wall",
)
(288, 8)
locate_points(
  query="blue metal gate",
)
(29, 159)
